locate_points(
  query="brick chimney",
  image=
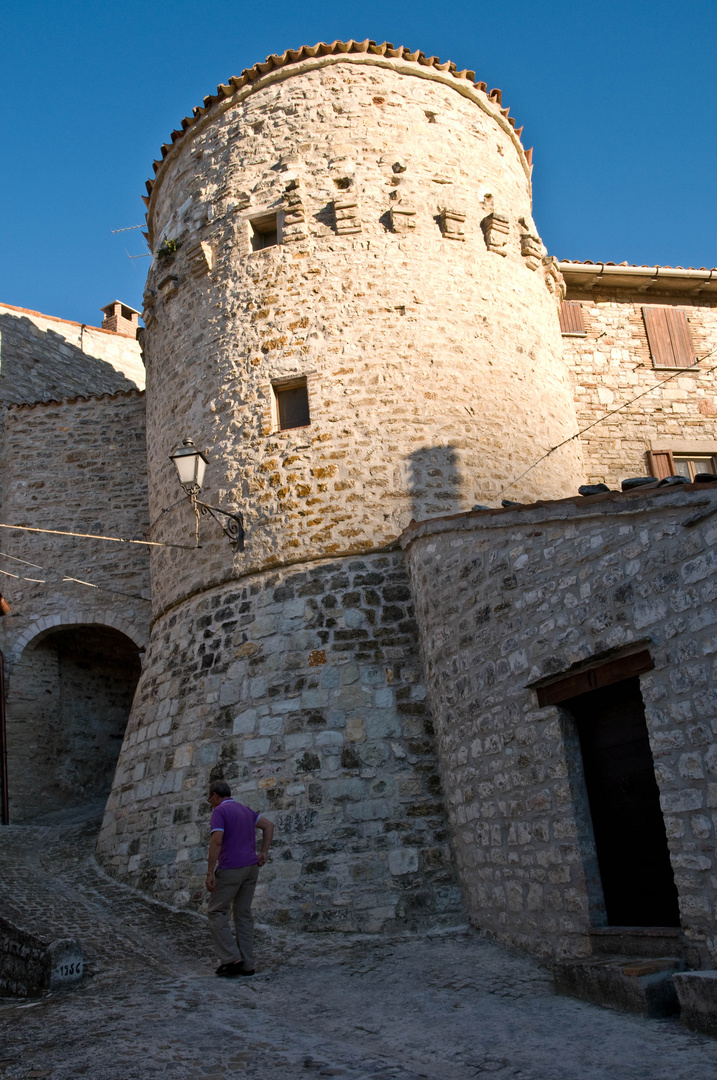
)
(120, 318)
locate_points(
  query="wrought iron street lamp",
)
(190, 464)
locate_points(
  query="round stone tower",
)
(350, 311)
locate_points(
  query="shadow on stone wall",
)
(434, 482)
(41, 365)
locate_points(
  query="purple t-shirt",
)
(238, 823)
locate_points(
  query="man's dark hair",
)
(221, 788)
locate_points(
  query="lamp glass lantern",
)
(190, 464)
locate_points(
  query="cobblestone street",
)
(451, 1005)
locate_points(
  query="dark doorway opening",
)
(630, 839)
(68, 703)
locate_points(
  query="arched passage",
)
(68, 701)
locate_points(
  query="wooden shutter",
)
(571, 317)
(660, 463)
(668, 335)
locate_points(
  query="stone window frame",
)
(289, 382)
(263, 218)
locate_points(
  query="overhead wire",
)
(611, 412)
(97, 536)
(64, 577)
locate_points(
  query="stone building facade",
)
(305, 686)
(611, 362)
(510, 602)
(350, 310)
(73, 460)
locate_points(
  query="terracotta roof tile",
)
(56, 318)
(75, 400)
(636, 266)
(322, 48)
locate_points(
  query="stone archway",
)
(69, 697)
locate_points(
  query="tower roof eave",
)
(400, 58)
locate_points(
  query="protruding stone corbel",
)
(150, 299)
(403, 218)
(554, 280)
(241, 201)
(294, 226)
(531, 249)
(531, 246)
(496, 229)
(168, 286)
(452, 222)
(200, 257)
(346, 208)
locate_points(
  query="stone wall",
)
(505, 598)
(303, 689)
(611, 364)
(30, 966)
(410, 291)
(432, 353)
(42, 357)
(80, 467)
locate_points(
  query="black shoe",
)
(233, 970)
(228, 969)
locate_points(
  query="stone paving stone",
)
(434, 1006)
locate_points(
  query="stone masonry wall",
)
(505, 598)
(42, 358)
(431, 352)
(80, 467)
(612, 364)
(301, 687)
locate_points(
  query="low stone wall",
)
(302, 688)
(29, 965)
(507, 598)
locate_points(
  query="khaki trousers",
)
(233, 887)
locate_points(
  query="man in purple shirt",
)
(232, 870)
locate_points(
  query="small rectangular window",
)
(571, 318)
(691, 466)
(291, 404)
(264, 232)
(663, 463)
(668, 335)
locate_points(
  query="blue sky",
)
(619, 100)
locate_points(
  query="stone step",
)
(697, 994)
(637, 941)
(642, 985)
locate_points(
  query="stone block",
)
(382, 725)
(403, 861)
(245, 722)
(256, 747)
(644, 986)
(30, 966)
(697, 995)
(330, 738)
(452, 223)
(496, 229)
